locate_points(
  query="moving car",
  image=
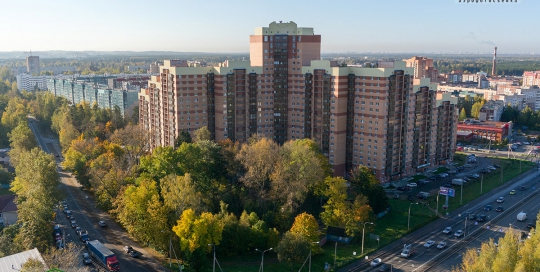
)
(429, 243)
(376, 262)
(481, 218)
(500, 199)
(499, 209)
(74, 224)
(458, 233)
(472, 216)
(488, 208)
(441, 245)
(513, 192)
(447, 230)
(384, 267)
(102, 223)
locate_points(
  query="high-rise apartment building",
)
(531, 78)
(32, 65)
(374, 117)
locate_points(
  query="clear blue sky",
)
(225, 26)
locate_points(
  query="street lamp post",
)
(437, 210)
(262, 259)
(461, 199)
(481, 183)
(309, 269)
(214, 261)
(409, 219)
(363, 229)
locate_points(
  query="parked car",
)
(447, 185)
(452, 172)
(491, 168)
(500, 199)
(128, 248)
(441, 245)
(496, 166)
(467, 165)
(458, 233)
(376, 262)
(86, 259)
(74, 224)
(485, 171)
(429, 243)
(68, 214)
(412, 184)
(499, 209)
(531, 225)
(403, 188)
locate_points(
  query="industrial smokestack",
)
(494, 67)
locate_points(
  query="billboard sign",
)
(447, 191)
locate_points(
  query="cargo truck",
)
(104, 255)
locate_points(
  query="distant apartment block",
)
(374, 117)
(531, 78)
(121, 92)
(423, 68)
(28, 82)
(32, 65)
(491, 111)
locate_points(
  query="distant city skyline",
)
(444, 26)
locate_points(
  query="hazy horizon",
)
(419, 26)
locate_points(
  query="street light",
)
(214, 260)
(363, 229)
(309, 269)
(262, 259)
(409, 219)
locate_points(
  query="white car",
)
(491, 168)
(102, 223)
(458, 233)
(500, 199)
(412, 184)
(447, 230)
(376, 262)
(429, 243)
(441, 245)
(444, 175)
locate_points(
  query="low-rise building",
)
(494, 131)
(491, 111)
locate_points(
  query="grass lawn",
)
(471, 191)
(418, 177)
(460, 158)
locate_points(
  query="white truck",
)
(522, 216)
(458, 182)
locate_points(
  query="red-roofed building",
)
(495, 131)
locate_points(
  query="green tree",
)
(202, 134)
(462, 114)
(14, 113)
(37, 195)
(21, 140)
(292, 249)
(183, 137)
(179, 194)
(364, 182)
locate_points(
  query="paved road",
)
(87, 216)
(428, 259)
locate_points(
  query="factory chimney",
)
(494, 67)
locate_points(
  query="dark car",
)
(403, 188)
(410, 197)
(531, 225)
(488, 208)
(447, 185)
(499, 209)
(384, 267)
(472, 216)
(522, 188)
(481, 218)
(496, 166)
(433, 178)
(485, 171)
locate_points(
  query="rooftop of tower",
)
(290, 28)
